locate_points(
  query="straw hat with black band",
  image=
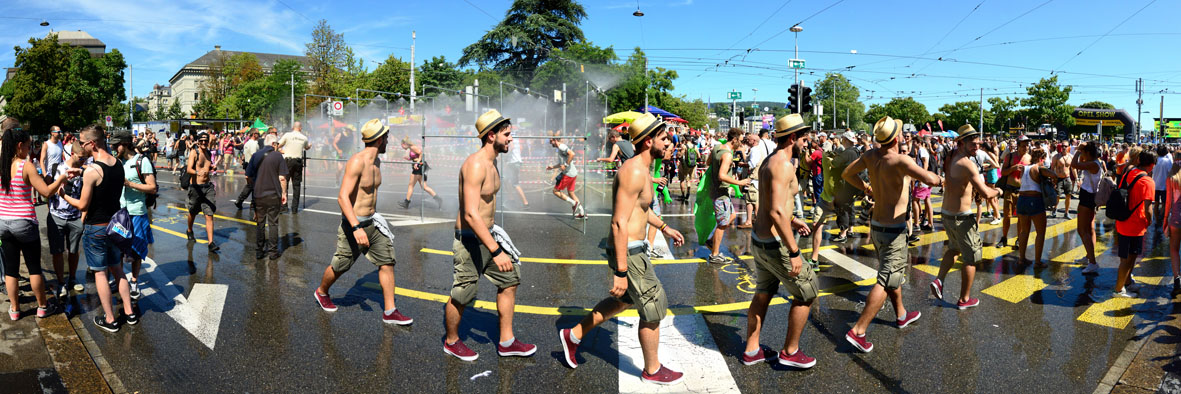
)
(790, 124)
(886, 130)
(489, 121)
(966, 132)
(372, 130)
(643, 127)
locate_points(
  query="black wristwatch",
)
(497, 252)
(357, 227)
(793, 254)
(621, 274)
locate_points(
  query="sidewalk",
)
(1155, 367)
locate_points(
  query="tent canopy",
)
(660, 112)
(622, 117)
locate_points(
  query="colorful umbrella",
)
(622, 117)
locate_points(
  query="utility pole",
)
(1162, 117)
(733, 111)
(799, 97)
(1139, 104)
(563, 129)
(834, 107)
(293, 99)
(413, 38)
(981, 129)
(131, 108)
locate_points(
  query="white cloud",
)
(681, 3)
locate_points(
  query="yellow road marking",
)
(1016, 288)
(243, 221)
(933, 270)
(200, 241)
(1080, 253)
(604, 262)
(1115, 313)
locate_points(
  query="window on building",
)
(195, 96)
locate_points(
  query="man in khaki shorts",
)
(777, 257)
(482, 247)
(362, 230)
(635, 281)
(963, 235)
(890, 174)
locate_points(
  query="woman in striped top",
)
(18, 222)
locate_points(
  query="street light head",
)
(797, 28)
(638, 13)
(44, 22)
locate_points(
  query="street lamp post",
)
(797, 29)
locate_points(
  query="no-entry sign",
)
(337, 108)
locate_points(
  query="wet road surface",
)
(1036, 330)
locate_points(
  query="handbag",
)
(120, 231)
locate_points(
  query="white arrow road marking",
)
(686, 345)
(861, 271)
(199, 314)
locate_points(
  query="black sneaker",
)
(238, 204)
(912, 239)
(274, 255)
(284, 209)
(259, 255)
(101, 322)
(839, 238)
(133, 318)
(405, 204)
(213, 247)
(1176, 287)
(190, 235)
(1002, 243)
(927, 227)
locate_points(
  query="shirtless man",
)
(891, 173)
(199, 166)
(362, 230)
(482, 247)
(777, 258)
(963, 235)
(635, 281)
(1065, 185)
(1014, 162)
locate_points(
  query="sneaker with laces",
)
(395, 318)
(995, 221)
(1091, 269)
(189, 234)
(101, 322)
(213, 248)
(569, 348)
(764, 354)
(662, 376)
(1003, 243)
(970, 303)
(405, 204)
(860, 342)
(937, 288)
(135, 290)
(1122, 294)
(913, 238)
(133, 318)
(78, 287)
(719, 259)
(459, 350)
(45, 311)
(909, 318)
(324, 301)
(518, 348)
(797, 359)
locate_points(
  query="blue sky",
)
(998, 45)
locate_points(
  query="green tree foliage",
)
(523, 41)
(693, 111)
(1097, 104)
(174, 111)
(630, 92)
(330, 57)
(1004, 110)
(441, 73)
(964, 112)
(572, 65)
(905, 109)
(847, 99)
(57, 84)
(392, 75)
(1046, 103)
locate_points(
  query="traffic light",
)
(793, 105)
(806, 104)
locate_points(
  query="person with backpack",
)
(138, 198)
(1087, 162)
(1031, 207)
(1130, 205)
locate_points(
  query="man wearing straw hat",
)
(362, 230)
(963, 235)
(890, 173)
(481, 247)
(776, 252)
(635, 281)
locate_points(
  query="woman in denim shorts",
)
(1030, 206)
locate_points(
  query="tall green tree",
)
(964, 112)
(1046, 103)
(57, 84)
(174, 111)
(531, 29)
(392, 75)
(905, 109)
(439, 72)
(847, 100)
(330, 58)
(1004, 110)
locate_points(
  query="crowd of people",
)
(789, 180)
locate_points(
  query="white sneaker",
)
(1122, 294)
(995, 222)
(1091, 269)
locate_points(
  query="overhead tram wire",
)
(1080, 52)
(957, 25)
(479, 9)
(996, 28)
(756, 29)
(295, 11)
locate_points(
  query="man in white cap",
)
(776, 252)
(963, 234)
(889, 174)
(635, 281)
(481, 247)
(362, 230)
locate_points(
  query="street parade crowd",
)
(783, 184)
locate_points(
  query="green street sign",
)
(735, 95)
(755, 105)
(796, 63)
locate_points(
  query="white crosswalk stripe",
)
(686, 345)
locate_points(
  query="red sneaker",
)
(910, 318)
(396, 318)
(970, 303)
(518, 348)
(569, 348)
(663, 376)
(937, 288)
(762, 355)
(324, 301)
(460, 351)
(859, 342)
(797, 359)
